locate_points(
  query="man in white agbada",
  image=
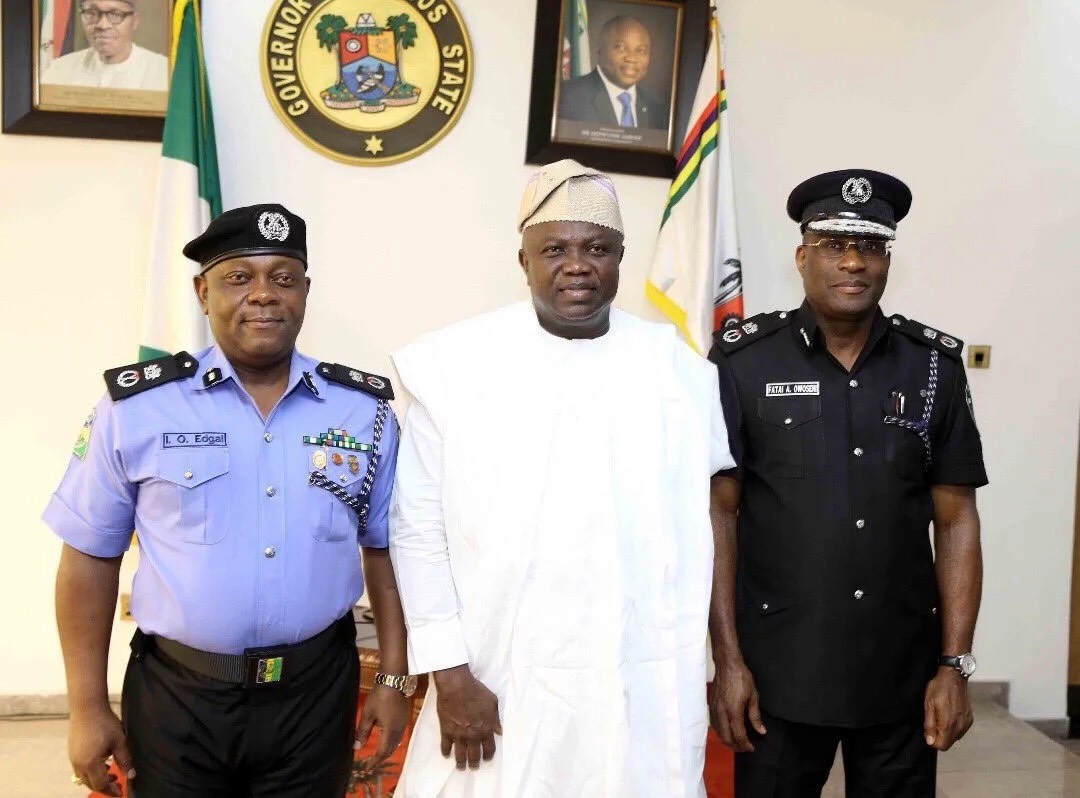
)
(113, 60)
(551, 529)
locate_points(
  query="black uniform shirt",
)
(836, 595)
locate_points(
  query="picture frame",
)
(577, 109)
(32, 107)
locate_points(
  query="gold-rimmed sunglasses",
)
(868, 248)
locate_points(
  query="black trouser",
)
(195, 737)
(793, 760)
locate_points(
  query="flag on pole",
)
(46, 12)
(696, 275)
(63, 27)
(576, 59)
(189, 196)
(57, 31)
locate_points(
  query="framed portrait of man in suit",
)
(612, 80)
(87, 68)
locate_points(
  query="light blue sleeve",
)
(93, 509)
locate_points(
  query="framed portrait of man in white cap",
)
(105, 60)
(612, 80)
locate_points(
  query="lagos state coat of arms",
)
(368, 82)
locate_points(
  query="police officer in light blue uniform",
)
(251, 473)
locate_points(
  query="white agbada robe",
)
(550, 527)
(142, 69)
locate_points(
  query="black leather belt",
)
(256, 667)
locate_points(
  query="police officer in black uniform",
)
(833, 623)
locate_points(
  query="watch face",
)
(967, 664)
(409, 687)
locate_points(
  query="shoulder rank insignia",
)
(735, 336)
(928, 335)
(138, 377)
(361, 380)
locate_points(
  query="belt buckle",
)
(263, 669)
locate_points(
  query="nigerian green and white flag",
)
(189, 196)
(578, 30)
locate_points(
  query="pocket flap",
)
(766, 602)
(920, 595)
(343, 473)
(789, 412)
(192, 467)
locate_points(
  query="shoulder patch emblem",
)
(935, 339)
(360, 380)
(82, 443)
(737, 335)
(138, 377)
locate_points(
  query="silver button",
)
(858, 451)
(860, 524)
(933, 611)
(188, 475)
(268, 437)
(859, 594)
(854, 384)
(896, 322)
(764, 607)
(341, 478)
(783, 315)
(787, 420)
(269, 552)
(271, 491)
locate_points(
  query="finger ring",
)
(77, 780)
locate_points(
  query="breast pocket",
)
(337, 520)
(196, 480)
(791, 435)
(905, 451)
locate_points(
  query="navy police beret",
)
(253, 230)
(850, 202)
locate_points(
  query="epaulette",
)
(736, 336)
(935, 339)
(138, 377)
(355, 378)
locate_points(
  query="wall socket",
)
(979, 357)
(125, 607)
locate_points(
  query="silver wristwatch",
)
(406, 685)
(964, 664)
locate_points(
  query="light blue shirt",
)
(237, 549)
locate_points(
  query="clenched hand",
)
(93, 737)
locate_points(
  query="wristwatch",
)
(406, 685)
(964, 664)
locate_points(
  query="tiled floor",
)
(1001, 757)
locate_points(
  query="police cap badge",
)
(853, 202)
(253, 230)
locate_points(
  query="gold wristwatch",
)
(406, 685)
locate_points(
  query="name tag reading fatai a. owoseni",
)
(792, 389)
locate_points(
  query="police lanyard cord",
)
(373, 465)
(922, 426)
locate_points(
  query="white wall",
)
(960, 99)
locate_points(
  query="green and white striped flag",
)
(580, 62)
(189, 196)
